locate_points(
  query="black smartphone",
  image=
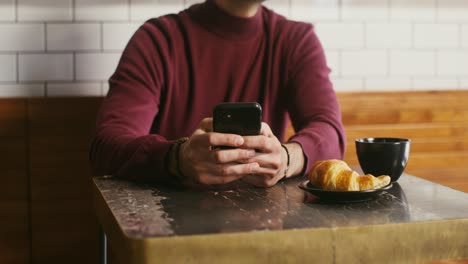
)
(243, 119)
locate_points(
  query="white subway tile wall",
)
(389, 35)
(280, 6)
(45, 10)
(21, 37)
(414, 10)
(116, 35)
(45, 67)
(74, 89)
(412, 63)
(102, 10)
(8, 67)
(464, 82)
(142, 10)
(464, 36)
(315, 10)
(73, 37)
(341, 35)
(95, 66)
(452, 11)
(7, 10)
(348, 84)
(22, 90)
(452, 63)
(434, 83)
(364, 10)
(333, 61)
(72, 47)
(436, 35)
(372, 62)
(388, 84)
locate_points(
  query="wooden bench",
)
(46, 201)
(14, 196)
(436, 122)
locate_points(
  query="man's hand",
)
(201, 164)
(270, 155)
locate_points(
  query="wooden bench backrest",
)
(46, 201)
(14, 197)
(436, 122)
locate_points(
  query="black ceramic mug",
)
(383, 156)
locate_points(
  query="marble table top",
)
(144, 212)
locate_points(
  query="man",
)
(177, 68)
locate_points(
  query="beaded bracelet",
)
(287, 163)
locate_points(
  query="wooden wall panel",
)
(64, 227)
(436, 123)
(419, 131)
(402, 101)
(456, 178)
(14, 198)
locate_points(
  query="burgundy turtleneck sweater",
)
(176, 68)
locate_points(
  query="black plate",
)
(343, 196)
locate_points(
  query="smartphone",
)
(243, 119)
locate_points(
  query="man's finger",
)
(207, 140)
(206, 124)
(226, 173)
(265, 161)
(261, 143)
(231, 169)
(259, 180)
(232, 155)
(265, 130)
(222, 139)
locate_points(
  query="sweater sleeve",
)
(312, 102)
(122, 145)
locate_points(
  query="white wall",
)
(71, 47)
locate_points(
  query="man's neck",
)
(239, 8)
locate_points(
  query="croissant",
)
(336, 175)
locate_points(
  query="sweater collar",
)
(218, 21)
